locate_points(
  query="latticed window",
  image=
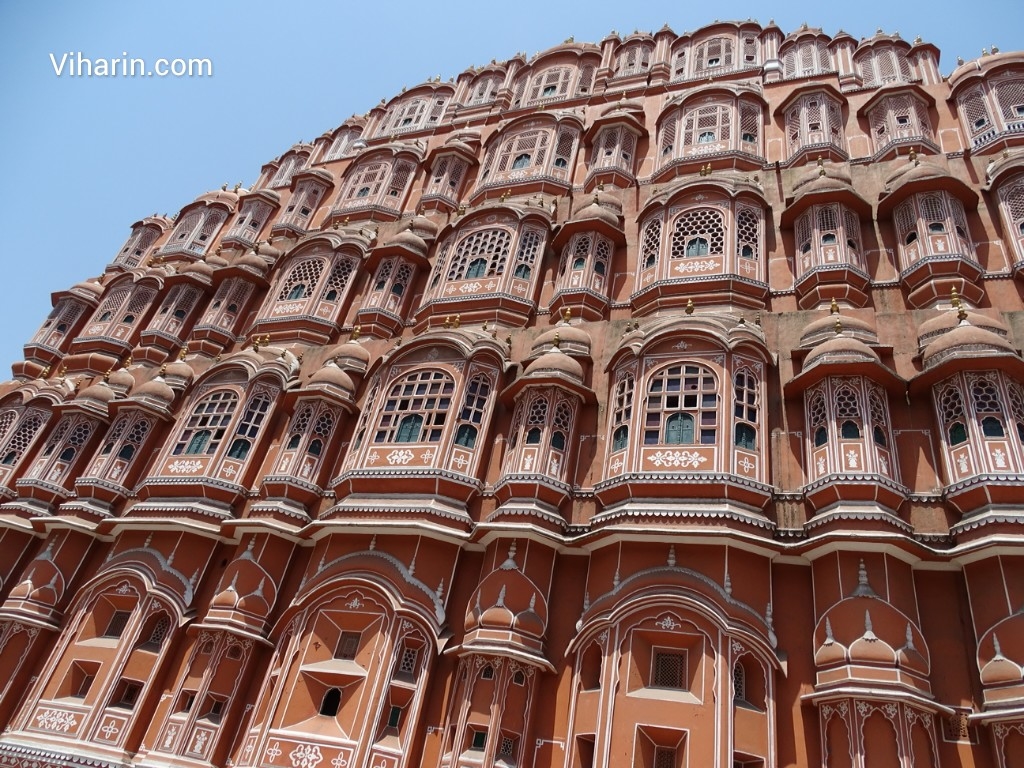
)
(231, 299)
(634, 59)
(59, 322)
(650, 243)
(745, 410)
(206, 426)
(377, 183)
(681, 406)
(664, 757)
(932, 224)
(140, 241)
(827, 234)
(553, 83)
(413, 115)
(248, 428)
(120, 311)
(303, 204)
(22, 437)
(289, 166)
(480, 254)
(301, 280)
(416, 408)
(1009, 101)
(473, 407)
(884, 64)
(622, 411)
(817, 418)
(484, 89)
(194, 233)
(67, 440)
(1011, 197)
(814, 120)
(848, 413)
(748, 233)
(808, 57)
(668, 670)
(407, 661)
(250, 221)
(679, 64)
(698, 232)
(585, 262)
(126, 435)
(878, 410)
(898, 118)
(974, 111)
(615, 148)
(176, 307)
(1015, 394)
(951, 406)
(739, 682)
(530, 243)
(711, 124)
(340, 145)
(715, 54)
(447, 176)
(348, 646)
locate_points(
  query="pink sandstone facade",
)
(655, 402)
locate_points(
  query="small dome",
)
(869, 649)
(121, 381)
(88, 287)
(252, 262)
(824, 329)
(555, 363)
(529, 623)
(1000, 671)
(966, 340)
(22, 591)
(216, 260)
(155, 389)
(410, 241)
(841, 349)
(947, 321)
(100, 392)
(179, 372)
(497, 617)
(830, 652)
(570, 339)
(333, 376)
(226, 598)
(200, 268)
(424, 226)
(352, 356)
(916, 170)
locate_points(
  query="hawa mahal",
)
(655, 402)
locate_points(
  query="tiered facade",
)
(655, 402)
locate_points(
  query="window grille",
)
(492, 245)
(348, 646)
(669, 670)
(22, 438)
(681, 406)
(426, 394)
(117, 624)
(207, 424)
(698, 232)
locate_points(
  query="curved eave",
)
(840, 194)
(594, 224)
(959, 360)
(627, 119)
(547, 379)
(872, 369)
(732, 188)
(940, 181)
(803, 88)
(891, 90)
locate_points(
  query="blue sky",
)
(86, 157)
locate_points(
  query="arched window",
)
(681, 406)
(698, 232)
(739, 682)
(331, 702)
(745, 409)
(634, 59)
(650, 243)
(622, 411)
(416, 408)
(204, 430)
(474, 404)
(196, 231)
(806, 58)
(481, 253)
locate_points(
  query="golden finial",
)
(505, 195)
(255, 343)
(484, 329)
(62, 372)
(743, 321)
(821, 166)
(757, 319)
(600, 186)
(224, 187)
(961, 313)
(45, 373)
(238, 186)
(954, 297)
(163, 369)
(127, 362)
(462, 210)
(106, 376)
(838, 326)
(689, 306)
(508, 341)
(913, 155)
(457, 321)
(556, 341)
(256, 248)
(447, 321)
(182, 352)
(596, 199)
(356, 331)
(566, 315)
(834, 307)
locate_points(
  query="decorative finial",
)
(959, 61)
(356, 331)
(447, 321)
(556, 341)
(672, 556)
(508, 341)
(838, 326)
(913, 155)
(457, 321)
(834, 307)
(183, 352)
(689, 306)
(566, 315)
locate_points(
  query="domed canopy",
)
(332, 376)
(570, 339)
(841, 348)
(555, 363)
(966, 340)
(155, 391)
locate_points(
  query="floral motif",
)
(677, 459)
(403, 457)
(56, 720)
(686, 267)
(306, 756)
(184, 467)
